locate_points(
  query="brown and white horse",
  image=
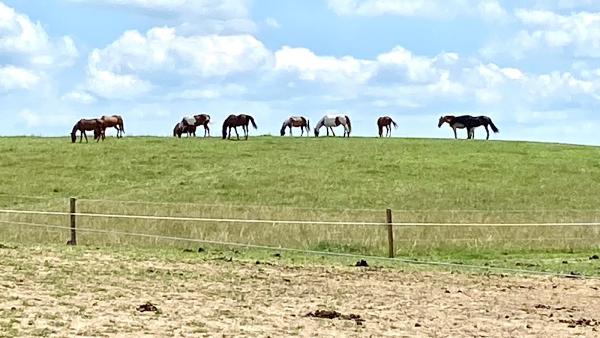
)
(234, 121)
(330, 121)
(115, 121)
(296, 121)
(87, 124)
(198, 120)
(469, 122)
(180, 129)
(385, 121)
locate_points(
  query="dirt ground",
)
(50, 292)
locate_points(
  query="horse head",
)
(316, 132)
(441, 121)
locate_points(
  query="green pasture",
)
(308, 179)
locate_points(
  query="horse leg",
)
(333, 132)
(455, 136)
(236, 133)
(86, 139)
(487, 137)
(246, 131)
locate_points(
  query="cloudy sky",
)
(533, 66)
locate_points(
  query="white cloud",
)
(576, 32)
(193, 16)
(161, 49)
(311, 67)
(215, 8)
(115, 86)
(273, 23)
(79, 96)
(12, 77)
(488, 9)
(22, 37)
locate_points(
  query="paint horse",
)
(198, 120)
(296, 121)
(115, 121)
(385, 121)
(330, 121)
(87, 124)
(469, 122)
(181, 129)
(234, 121)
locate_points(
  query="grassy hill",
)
(335, 179)
(336, 173)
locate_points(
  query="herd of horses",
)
(189, 124)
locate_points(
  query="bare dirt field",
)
(86, 292)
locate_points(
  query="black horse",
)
(469, 122)
(234, 121)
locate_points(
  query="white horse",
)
(330, 121)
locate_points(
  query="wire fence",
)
(95, 221)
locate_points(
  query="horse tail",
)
(349, 125)
(122, 125)
(252, 121)
(494, 128)
(394, 123)
(225, 128)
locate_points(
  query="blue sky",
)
(533, 66)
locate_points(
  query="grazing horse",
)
(87, 124)
(469, 122)
(296, 121)
(386, 121)
(115, 121)
(180, 129)
(234, 121)
(330, 121)
(198, 120)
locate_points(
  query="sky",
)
(532, 66)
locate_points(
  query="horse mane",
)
(75, 127)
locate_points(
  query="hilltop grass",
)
(311, 179)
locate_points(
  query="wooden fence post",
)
(73, 211)
(388, 214)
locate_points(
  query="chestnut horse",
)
(180, 129)
(296, 121)
(115, 121)
(234, 121)
(386, 121)
(330, 121)
(87, 124)
(198, 120)
(469, 122)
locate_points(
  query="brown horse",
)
(234, 121)
(386, 121)
(180, 129)
(296, 121)
(198, 120)
(115, 121)
(87, 124)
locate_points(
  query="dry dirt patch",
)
(97, 293)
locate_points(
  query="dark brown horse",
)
(180, 129)
(469, 122)
(296, 121)
(198, 120)
(385, 121)
(87, 124)
(115, 121)
(234, 121)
